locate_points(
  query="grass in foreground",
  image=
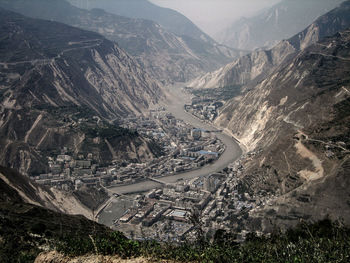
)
(320, 242)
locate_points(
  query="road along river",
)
(176, 107)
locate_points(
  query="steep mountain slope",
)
(114, 84)
(279, 22)
(54, 80)
(258, 64)
(166, 56)
(299, 118)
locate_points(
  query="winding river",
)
(176, 107)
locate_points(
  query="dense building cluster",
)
(185, 148)
(204, 109)
(166, 213)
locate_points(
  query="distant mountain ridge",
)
(275, 24)
(168, 18)
(258, 64)
(166, 56)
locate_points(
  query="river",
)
(176, 107)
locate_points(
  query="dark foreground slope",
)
(299, 118)
(33, 217)
(19, 188)
(165, 55)
(26, 229)
(59, 87)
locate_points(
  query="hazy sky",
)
(214, 15)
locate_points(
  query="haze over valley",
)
(130, 130)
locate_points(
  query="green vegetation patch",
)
(107, 131)
(73, 111)
(321, 242)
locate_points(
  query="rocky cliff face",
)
(279, 22)
(166, 56)
(298, 117)
(260, 63)
(54, 80)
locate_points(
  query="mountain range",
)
(54, 80)
(166, 56)
(279, 22)
(256, 65)
(170, 19)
